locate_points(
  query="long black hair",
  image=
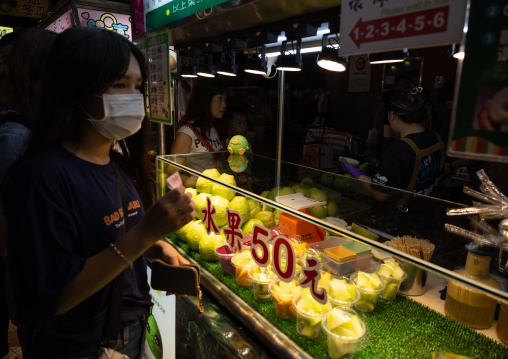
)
(408, 103)
(198, 109)
(83, 62)
(27, 63)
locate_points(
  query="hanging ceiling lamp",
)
(329, 57)
(388, 57)
(456, 52)
(290, 62)
(190, 70)
(206, 70)
(256, 64)
(228, 68)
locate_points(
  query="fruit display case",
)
(349, 215)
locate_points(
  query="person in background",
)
(196, 132)
(233, 123)
(69, 236)
(23, 60)
(414, 162)
(382, 115)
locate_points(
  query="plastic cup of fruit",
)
(284, 298)
(298, 245)
(242, 271)
(344, 295)
(392, 286)
(225, 254)
(369, 289)
(260, 283)
(344, 338)
(315, 251)
(308, 322)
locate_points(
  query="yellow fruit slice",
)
(364, 232)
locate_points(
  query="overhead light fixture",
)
(456, 52)
(329, 57)
(206, 70)
(256, 64)
(228, 68)
(305, 50)
(388, 57)
(290, 62)
(190, 70)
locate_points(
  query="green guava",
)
(208, 244)
(240, 204)
(200, 202)
(333, 209)
(298, 188)
(267, 218)
(318, 211)
(254, 207)
(195, 232)
(247, 227)
(327, 178)
(318, 195)
(205, 186)
(222, 191)
(220, 204)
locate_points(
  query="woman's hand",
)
(164, 251)
(170, 213)
(352, 170)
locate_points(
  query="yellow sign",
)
(24, 8)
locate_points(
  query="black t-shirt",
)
(62, 210)
(396, 165)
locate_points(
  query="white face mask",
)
(123, 115)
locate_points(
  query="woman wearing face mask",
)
(196, 132)
(76, 208)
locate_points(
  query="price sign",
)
(259, 247)
(282, 249)
(310, 279)
(208, 214)
(373, 26)
(234, 235)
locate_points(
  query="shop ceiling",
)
(18, 22)
(257, 22)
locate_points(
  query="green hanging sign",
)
(159, 84)
(173, 10)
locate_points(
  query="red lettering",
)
(27, 9)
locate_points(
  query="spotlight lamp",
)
(228, 68)
(456, 52)
(256, 64)
(190, 70)
(329, 57)
(290, 62)
(388, 57)
(206, 70)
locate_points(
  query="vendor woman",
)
(196, 132)
(415, 161)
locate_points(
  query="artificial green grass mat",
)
(402, 328)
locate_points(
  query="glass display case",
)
(346, 216)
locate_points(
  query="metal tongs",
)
(496, 208)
